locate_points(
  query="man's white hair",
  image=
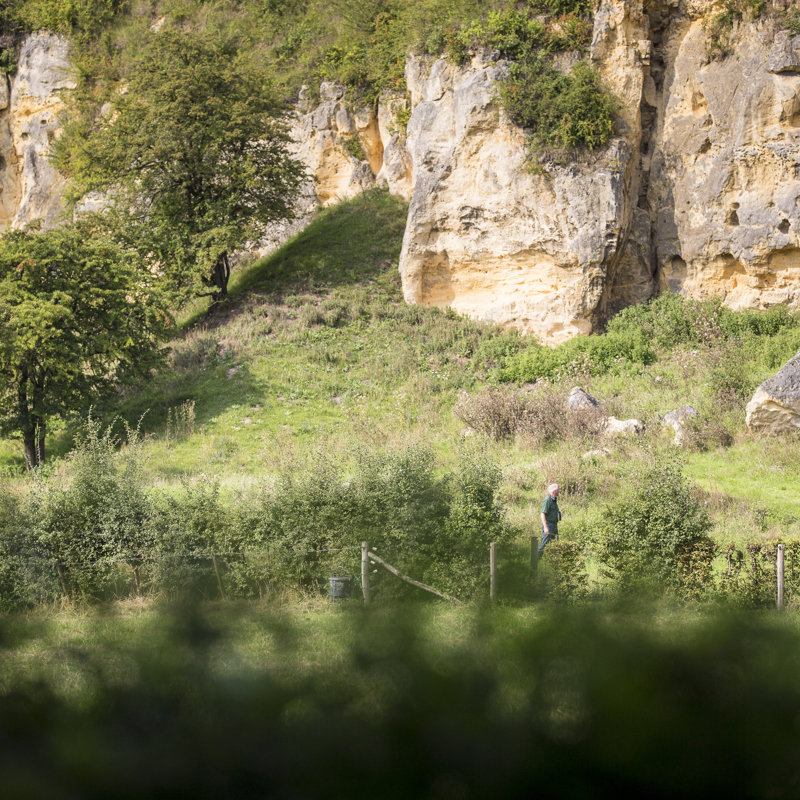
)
(551, 488)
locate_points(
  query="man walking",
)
(550, 516)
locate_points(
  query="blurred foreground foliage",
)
(572, 705)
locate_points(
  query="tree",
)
(194, 154)
(76, 317)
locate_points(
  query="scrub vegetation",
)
(362, 44)
(314, 410)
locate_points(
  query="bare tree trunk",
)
(220, 276)
(28, 424)
(29, 443)
(40, 434)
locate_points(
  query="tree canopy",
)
(76, 316)
(193, 151)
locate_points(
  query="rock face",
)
(724, 156)
(775, 407)
(697, 193)
(489, 238)
(30, 188)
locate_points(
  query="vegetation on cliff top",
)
(362, 44)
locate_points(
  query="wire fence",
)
(757, 574)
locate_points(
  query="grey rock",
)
(623, 427)
(783, 56)
(578, 398)
(677, 419)
(775, 406)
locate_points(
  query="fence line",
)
(161, 556)
(763, 566)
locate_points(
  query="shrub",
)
(183, 531)
(647, 538)
(791, 20)
(538, 416)
(570, 582)
(12, 528)
(434, 528)
(586, 355)
(671, 320)
(86, 526)
(496, 413)
(458, 559)
(567, 112)
(719, 25)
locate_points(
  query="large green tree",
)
(77, 316)
(193, 149)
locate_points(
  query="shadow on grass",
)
(212, 392)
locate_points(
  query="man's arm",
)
(544, 522)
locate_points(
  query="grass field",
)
(316, 353)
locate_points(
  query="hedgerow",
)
(97, 531)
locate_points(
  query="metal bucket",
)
(341, 587)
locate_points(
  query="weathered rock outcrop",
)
(724, 162)
(697, 193)
(493, 240)
(30, 188)
(775, 407)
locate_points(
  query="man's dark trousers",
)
(550, 536)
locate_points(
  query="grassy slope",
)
(316, 351)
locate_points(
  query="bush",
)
(538, 416)
(570, 582)
(12, 528)
(567, 112)
(584, 355)
(458, 559)
(496, 413)
(648, 538)
(720, 24)
(183, 532)
(85, 527)
(435, 529)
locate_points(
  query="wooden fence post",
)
(493, 570)
(365, 572)
(219, 577)
(780, 576)
(60, 571)
(534, 554)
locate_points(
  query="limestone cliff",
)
(30, 102)
(698, 191)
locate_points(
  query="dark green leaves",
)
(194, 154)
(76, 315)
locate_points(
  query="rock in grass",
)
(577, 398)
(623, 427)
(775, 407)
(678, 419)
